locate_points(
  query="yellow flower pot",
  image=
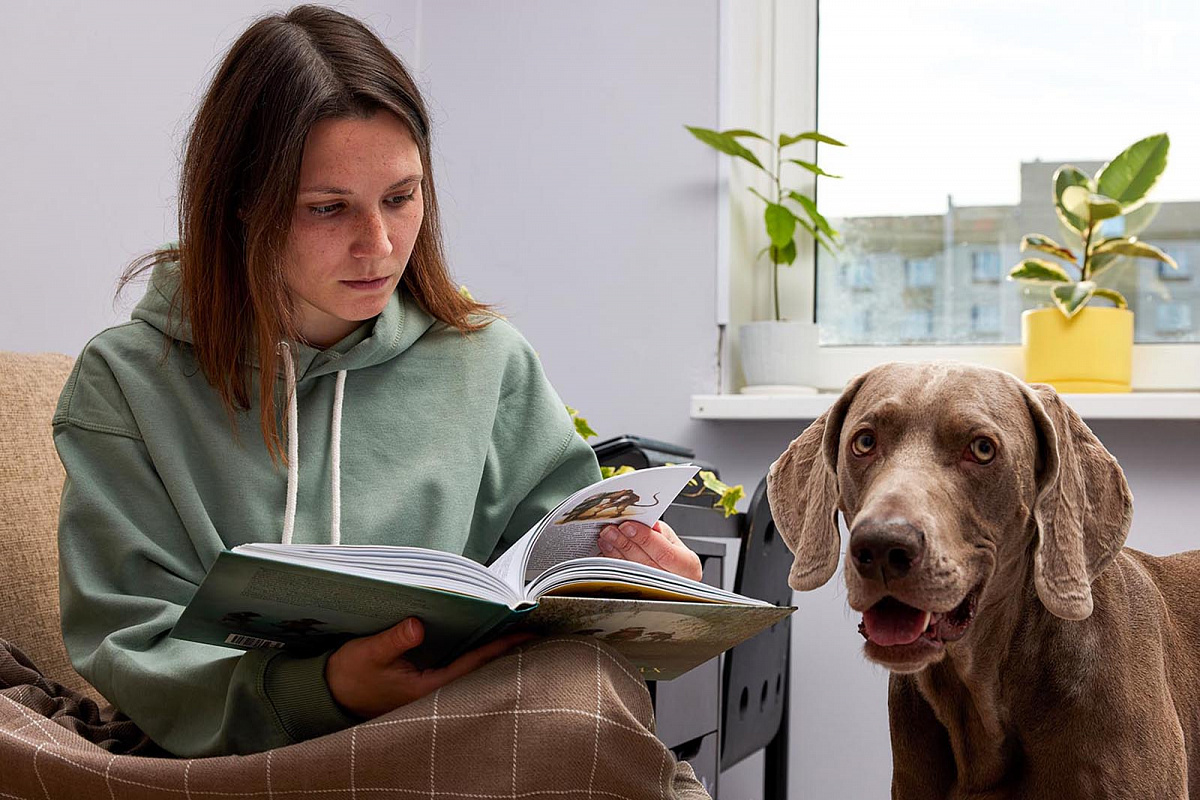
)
(1091, 352)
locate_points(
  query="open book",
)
(313, 597)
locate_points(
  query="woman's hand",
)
(368, 676)
(657, 547)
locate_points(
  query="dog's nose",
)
(886, 548)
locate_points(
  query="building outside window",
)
(985, 266)
(985, 319)
(920, 273)
(941, 200)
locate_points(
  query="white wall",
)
(572, 196)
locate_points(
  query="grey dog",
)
(1032, 654)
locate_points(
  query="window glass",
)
(955, 117)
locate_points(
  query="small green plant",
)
(581, 425)
(727, 496)
(781, 221)
(1082, 204)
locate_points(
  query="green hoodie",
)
(448, 441)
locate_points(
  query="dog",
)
(1032, 655)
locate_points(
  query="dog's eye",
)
(863, 443)
(983, 449)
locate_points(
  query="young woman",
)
(307, 295)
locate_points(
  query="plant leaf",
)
(1129, 177)
(1089, 206)
(1038, 270)
(726, 144)
(1036, 241)
(1114, 295)
(581, 424)
(1099, 264)
(781, 224)
(1065, 177)
(813, 168)
(1139, 219)
(608, 472)
(1131, 246)
(787, 253)
(728, 495)
(1071, 298)
(811, 209)
(785, 140)
(758, 194)
(736, 132)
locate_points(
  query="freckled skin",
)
(369, 234)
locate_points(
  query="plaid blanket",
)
(558, 718)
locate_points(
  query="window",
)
(860, 274)
(939, 197)
(1173, 318)
(1183, 260)
(985, 266)
(920, 273)
(918, 325)
(985, 320)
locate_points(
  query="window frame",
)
(782, 39)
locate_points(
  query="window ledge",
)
(1134, 405)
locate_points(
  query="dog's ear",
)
(1083, 508)
(803, 494)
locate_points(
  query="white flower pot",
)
(776, 356)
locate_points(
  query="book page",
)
(573, 529)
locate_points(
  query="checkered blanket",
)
(558, 718)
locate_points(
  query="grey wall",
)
(572, 196)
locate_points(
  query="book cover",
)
(661, 638)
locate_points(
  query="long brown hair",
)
(238, 187)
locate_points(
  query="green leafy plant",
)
(727, 496)
(781, 221)
(581, 425)
(1082, 204)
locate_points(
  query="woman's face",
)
(355, 222)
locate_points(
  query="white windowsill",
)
(1134, 405)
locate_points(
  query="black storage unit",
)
(732, 706)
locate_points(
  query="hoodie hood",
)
(401, 323)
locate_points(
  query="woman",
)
(309, 276)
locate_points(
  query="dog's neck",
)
(967, 688)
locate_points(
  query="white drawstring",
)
(335, 481)
(289, 514)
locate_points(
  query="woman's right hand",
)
(369, 676)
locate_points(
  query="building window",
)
(985, 319)
(860, 274)
(985, 266)
(1173, 318)
(1182, 256)
(919, 273)
(918, 324)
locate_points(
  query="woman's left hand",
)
(655, 547)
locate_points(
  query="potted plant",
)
(774, 351)
(1074, 345)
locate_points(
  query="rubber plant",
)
(1083, 203)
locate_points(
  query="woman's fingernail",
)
(604, 544)
(629, 530)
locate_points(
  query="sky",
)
(937, 98)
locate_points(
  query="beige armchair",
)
(575, 698)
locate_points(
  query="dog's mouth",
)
(891, 623)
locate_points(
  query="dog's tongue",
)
(890, 622)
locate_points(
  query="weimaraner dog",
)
(1032, 654)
